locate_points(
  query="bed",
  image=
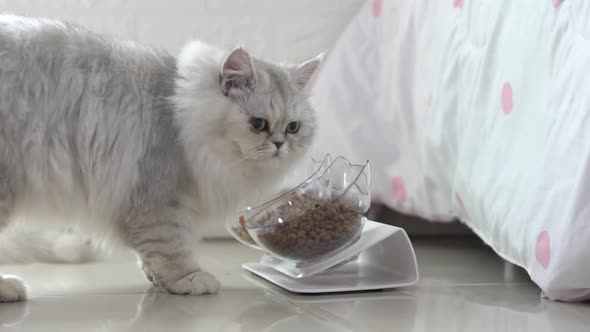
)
(477, 110)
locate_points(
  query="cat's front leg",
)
(166, 247)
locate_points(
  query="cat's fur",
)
(128, 142)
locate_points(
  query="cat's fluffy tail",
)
(19, 246)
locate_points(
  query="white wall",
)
(273, 29)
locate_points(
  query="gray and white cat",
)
(128, 142)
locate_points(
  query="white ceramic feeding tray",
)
(382, 258)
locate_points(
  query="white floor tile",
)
(227, 311)
(463, 287)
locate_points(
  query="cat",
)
(130, 143)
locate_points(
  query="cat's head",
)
(246, 112)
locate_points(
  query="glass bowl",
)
(238, 228)
(318, 218)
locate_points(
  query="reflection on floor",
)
(463, 287)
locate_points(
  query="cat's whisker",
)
(247, 155)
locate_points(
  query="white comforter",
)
(474, 109)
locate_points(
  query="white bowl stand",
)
(386, 259)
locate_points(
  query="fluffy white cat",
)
(131, 143)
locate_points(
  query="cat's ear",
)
(305, 71)
(237, 71)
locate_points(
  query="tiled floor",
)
(463, 287)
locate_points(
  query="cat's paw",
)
(195, 283)
(12, 290)
(146, 272)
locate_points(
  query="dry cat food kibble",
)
(319, 231)
(242, 232)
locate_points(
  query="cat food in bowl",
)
(316, 219)
(309, 235)
(238, 229)
(240, 232)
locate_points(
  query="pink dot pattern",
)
(459, 200)
(543, 249)
(556, 3)
(507, 98)
(377, 7)
(399, 188)
(458, 3)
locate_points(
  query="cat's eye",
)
(258, 124)
(293, 127)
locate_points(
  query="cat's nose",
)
(278, 145)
